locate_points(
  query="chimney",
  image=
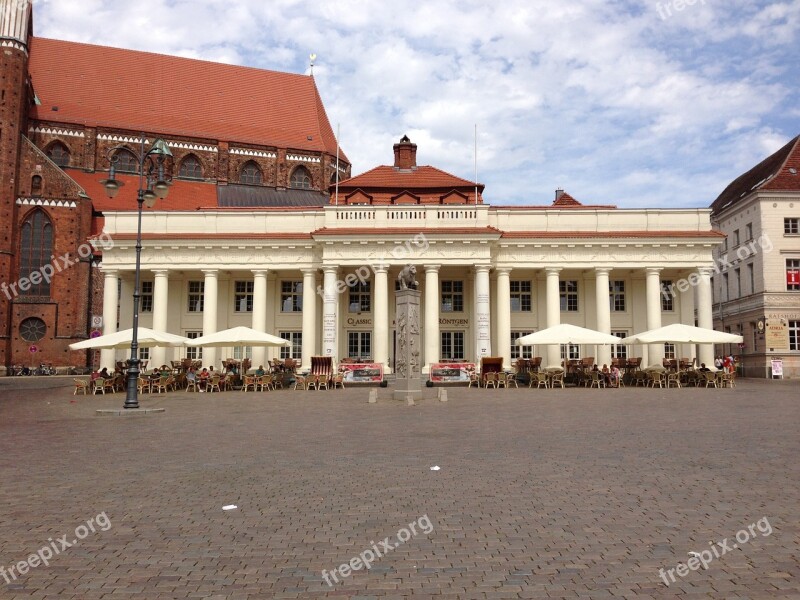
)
(559, 193)
(405, 154)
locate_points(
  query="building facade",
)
(265, 226)
(757, 273)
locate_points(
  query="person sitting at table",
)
(260, 372)
(202, 380)
(614, 376)
(191, 375)
(96, 375)
(703, 368)
(606, 374)
(104, 373)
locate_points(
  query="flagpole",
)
(476, 164)
(336, 196)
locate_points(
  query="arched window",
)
(191, 168)
(300, 178)
(36, 247)
(59, 154)
(126, 162)
(36, 185)
(251, 174)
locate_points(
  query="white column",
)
(553, 313)
(380, 318)
(504, 316)
(210, 292)
(309, 337)
(158, 356)
(329, 305)
(110, 304)
(259, 313)
(655, 352)
(432, 300)
(603, 306)
(483, 330)
(686, 300)
(705, 318)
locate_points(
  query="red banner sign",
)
(793, 277)
(362, 372)
(451, 372)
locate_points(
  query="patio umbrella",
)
(567, 334)
(679, 333)
(147, 338)
(238, 336)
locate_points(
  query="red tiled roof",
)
(566, 200)
(772, 173)
(418, 178)
(610, 234)
(552, 206)
(143, 91)
(183, 195)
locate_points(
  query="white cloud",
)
(609, 100)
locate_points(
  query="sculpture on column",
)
(408, 278)
(407, 359)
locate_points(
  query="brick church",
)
(239, 137)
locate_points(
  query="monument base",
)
(404, 395)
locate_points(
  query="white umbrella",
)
(147, 338)
(567, 334)
(238, 336)
(679, 333)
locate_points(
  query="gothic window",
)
(191, 168)
(36, 247)
(251, 174)
(32, 329)
(126, 162)
(300, 178)
(59, 154)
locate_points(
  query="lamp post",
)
(153, 184)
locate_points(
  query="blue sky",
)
(626, 102)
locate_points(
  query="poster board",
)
(777, 369)
(451, 372)
(362, 372)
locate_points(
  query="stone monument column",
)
(408, 358)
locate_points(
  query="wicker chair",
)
(213, 384)
(539, 378)
(249, 383)
(82, 386)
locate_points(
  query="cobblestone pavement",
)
(540, 493)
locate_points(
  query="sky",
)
(636, 103)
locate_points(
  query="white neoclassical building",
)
(324, 276)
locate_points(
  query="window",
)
(59, 154)
(452, 345)
(250, 174)
(619, 350)
(669, 351)
(36, 247)
(794, 335)
(724, 246)
(521, 295)
(243, 296)
(146, 297)
(791, 226)
(125, 162)
(667, 295)
(296, 349)
(737, 275)
(452, 296)
(748, 232)
(735, 238)
(751, 275)
(36, 185)
(616, 290)
(520, 351)
(242, 352)
(359, 345)
(144, 353)
(194, 352)
(568, 291)
(191, 168)
(32, 329)
(793, 274)
(725, 289)
(196, 290)
(300, 178)
(360, 297)
(291, 296)
(570, 352)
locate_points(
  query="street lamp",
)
(153, 184)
